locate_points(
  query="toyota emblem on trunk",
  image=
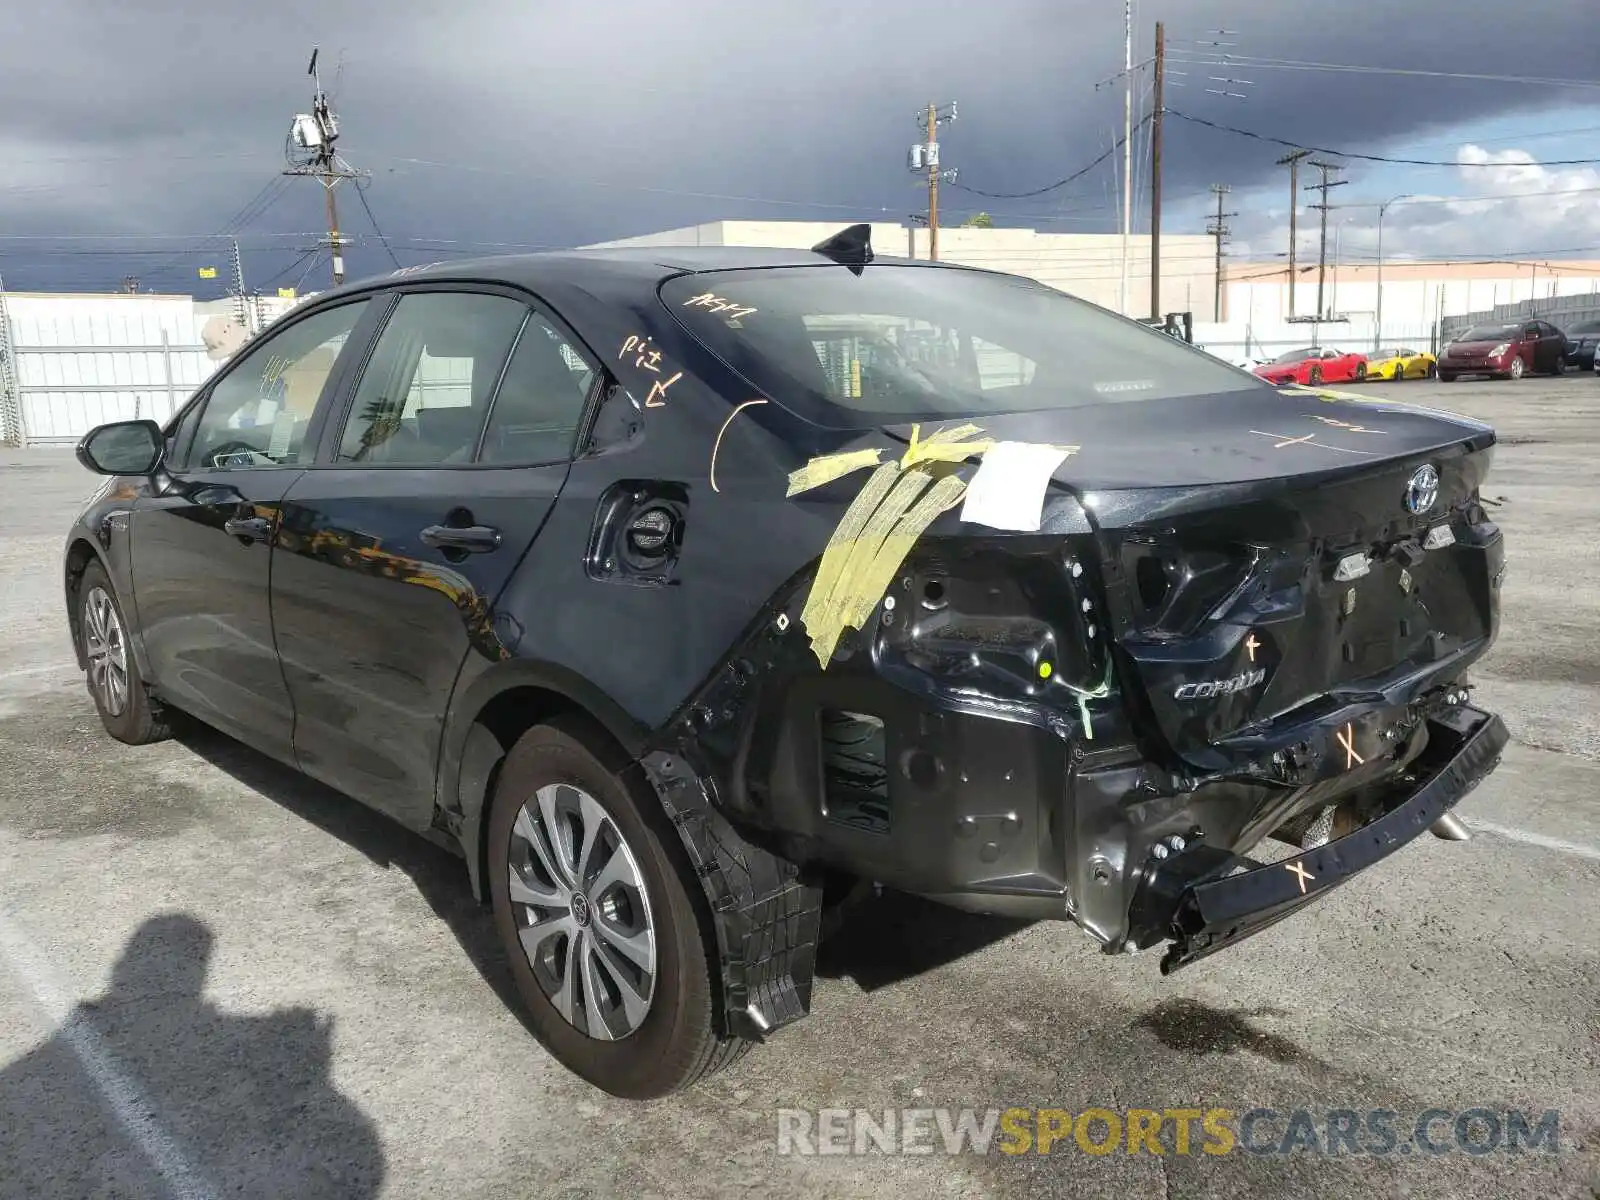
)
(1422, 490)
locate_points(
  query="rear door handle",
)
(475, 539)
(250, 529)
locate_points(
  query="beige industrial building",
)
(1088, 265)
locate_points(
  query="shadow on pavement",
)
(440, 876)
(149, 1090)
(895, 936)
(881, 941)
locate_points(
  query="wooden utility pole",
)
(1322, 252)
(333, 233)
(1292, 161)
(1219, 230)
(933, 185)
(1155, 173)
(314, 134)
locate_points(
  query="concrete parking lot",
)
(217, 978)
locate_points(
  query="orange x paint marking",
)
(1343, 424)
(1347, 739)
(1300, 873)
(1288, 439)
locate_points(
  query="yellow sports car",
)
(1401, 364)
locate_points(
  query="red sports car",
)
(1313, 366)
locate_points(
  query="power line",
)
(1380, 158)
(305, 254)
(1060, 183)
(1529, 258)
(258, 206)
(134, 237)
(1532, 136)
(1291, 64)
(784, 202)
(361, 195)
(1483, 198)
(315, 254)
(111, 158)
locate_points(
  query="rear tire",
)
(565, 775)
(1446, 377)
(1361, 372)
(1314, 376)
(1431, 370)
(1561, 365)
(127, 710)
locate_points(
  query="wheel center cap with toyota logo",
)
(581, 912)
(1422, 490)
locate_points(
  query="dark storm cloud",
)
(568, 122)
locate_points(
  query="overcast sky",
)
(549, 122)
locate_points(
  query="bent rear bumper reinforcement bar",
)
(1211, 905)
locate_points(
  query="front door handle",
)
(248, 529)
(475, 539)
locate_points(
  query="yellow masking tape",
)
(869, 586)
(955, 433)
(840, 544)
(826, 468)
(831, 613)
(953, 452)
(943, 445)
(877, 531)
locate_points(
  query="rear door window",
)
(541, 400)
(425, 394)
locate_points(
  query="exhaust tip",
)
(1450, 828)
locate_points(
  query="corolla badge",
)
(1221, 687)
(1422, 490)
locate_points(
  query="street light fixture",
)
(1377, 332)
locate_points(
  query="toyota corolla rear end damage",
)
(1078, 658)
(741, 579)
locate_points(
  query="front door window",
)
(258, 414)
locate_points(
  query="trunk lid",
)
(1222, 523)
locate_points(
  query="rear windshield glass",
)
(900, 343)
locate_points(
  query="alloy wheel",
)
(106, 647)
(583, 912)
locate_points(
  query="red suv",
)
(1506, 351)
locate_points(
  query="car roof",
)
(645, 265)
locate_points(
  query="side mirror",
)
(122, 448)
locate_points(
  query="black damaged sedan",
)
(686, 593)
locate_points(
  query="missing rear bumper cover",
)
(855, 769)
(1210, 904)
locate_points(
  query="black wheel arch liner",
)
(469, 751)
(765, 916)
